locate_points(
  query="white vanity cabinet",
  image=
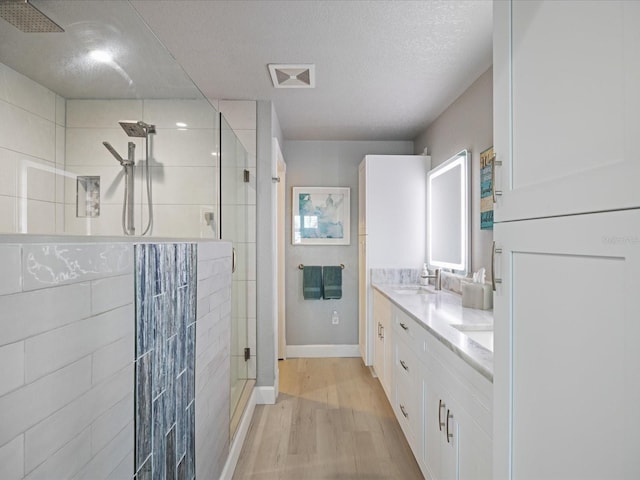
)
(566, 103)
(566, 360)
(457, 406)
(442, 404)
(383, 347)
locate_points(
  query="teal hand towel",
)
(332, 280)
(312, 282)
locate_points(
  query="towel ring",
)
(301, 266)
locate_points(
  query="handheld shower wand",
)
(128, 165)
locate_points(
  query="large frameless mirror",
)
(448, 232)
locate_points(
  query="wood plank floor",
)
(332, 421)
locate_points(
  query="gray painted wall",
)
(466, 123)
(326, 164)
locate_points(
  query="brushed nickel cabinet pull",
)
(449, 435)
(496, 193)
(494, 280)
(234, 259)
(404, 365)
(440, 407)
(404, 412)
(404, 327)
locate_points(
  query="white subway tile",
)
(60, 219)
(8, 221)
(102, 113)
(166, 113)
(11, 278)
(40, 216)
(51, 265)
(108, 425)
(36, 179)
(123, 471)
(175, 220)
(84, 146)
(51, 350)
(108, 223)
(113, 358)
(25, 407)
(189, 147)
(12, 459)
(170, 187)
(241, 114)
(8, 180)
(38, 140)
(31, 313)
(67, 461)
(251, 299)
(112, 292)
(110, 457)
(248, 140)
(53, 432)
(112, 183)
(12, 372)
(23, 92)
(61, 110)
(61, 144)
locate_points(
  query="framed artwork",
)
(486, 189)
(320, 216)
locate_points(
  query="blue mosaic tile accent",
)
(165, 361)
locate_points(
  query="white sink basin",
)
(481, 334)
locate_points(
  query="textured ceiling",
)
(385, 69)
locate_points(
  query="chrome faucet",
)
(437, 279)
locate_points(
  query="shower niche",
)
(88, 196)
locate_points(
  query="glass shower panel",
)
(237, 191)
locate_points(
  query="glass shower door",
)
(237, 194)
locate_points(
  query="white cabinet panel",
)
(565, 107)
(391, 225)
(567, 366)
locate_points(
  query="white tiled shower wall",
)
(32, 144)
(183, 166)
(45, 141)
(67, 350)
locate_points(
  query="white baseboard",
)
(322, 351)
(265, 395)
(238, 440)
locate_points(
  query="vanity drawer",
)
(406, 363)
(407, 329)
(408, 409)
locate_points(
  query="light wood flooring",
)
(332, 421)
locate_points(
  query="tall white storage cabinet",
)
(391, 226)
(567, 233)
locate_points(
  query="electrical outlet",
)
(335, 318)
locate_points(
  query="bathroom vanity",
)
(434, 360)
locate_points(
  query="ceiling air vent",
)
(293, 76)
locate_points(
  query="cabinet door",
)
(566, 359)
(433, 418)
(383, 360)
(566, 102)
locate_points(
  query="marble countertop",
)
(439, 310)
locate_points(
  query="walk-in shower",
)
(141, 130)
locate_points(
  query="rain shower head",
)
(137, 129)
(24, 16)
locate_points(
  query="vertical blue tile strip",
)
(165, 361)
